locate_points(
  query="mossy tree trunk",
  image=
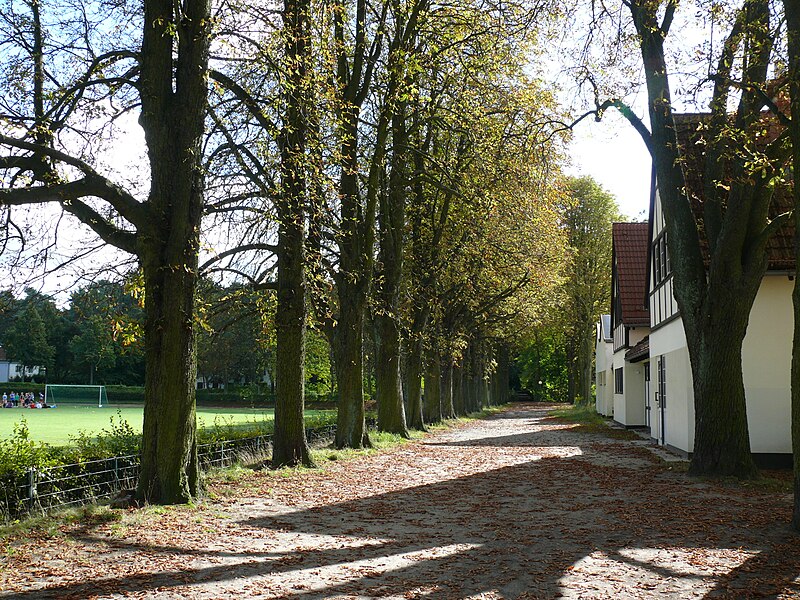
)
(174, 96)
(458, 389)
(446, 394)
(414, 384)
(391, 411)
(432, 405)
(290, 447)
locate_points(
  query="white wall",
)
(629, 406)
(637, 334)
(604, 394)
(766, 363)
(634, 394)
(669, 341)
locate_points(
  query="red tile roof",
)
(630, 244)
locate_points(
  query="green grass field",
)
(55, 426)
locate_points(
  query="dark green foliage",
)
(542, 368)
(106, 345)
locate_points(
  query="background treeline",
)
(97, 339)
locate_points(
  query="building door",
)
(647, 394)
(662, 398)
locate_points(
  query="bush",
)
(118, 440)
(19, 453)
(125, 394)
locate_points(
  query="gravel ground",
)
(519, 505)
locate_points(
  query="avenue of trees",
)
(381, 173)
(386, 174)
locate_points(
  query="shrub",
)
(19, 453)
(118, 440)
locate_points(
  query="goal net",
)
(90, 395)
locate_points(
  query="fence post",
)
(116, 473)
(32, 491)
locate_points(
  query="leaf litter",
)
(518, 505)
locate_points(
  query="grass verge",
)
(589, 421)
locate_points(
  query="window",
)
(601, 378)
(661, 262)
(618, 381)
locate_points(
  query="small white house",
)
(766, 352)
(10, 369)
(630, 322)
(604, 367)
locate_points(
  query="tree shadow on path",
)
(549, 526)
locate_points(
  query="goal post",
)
(90, 395)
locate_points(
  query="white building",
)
(11, 370)
(766, 352)
(604, 367)
(630, 322)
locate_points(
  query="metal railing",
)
(43, 489)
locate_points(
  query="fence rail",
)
(43, 489)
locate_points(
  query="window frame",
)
(619, 381)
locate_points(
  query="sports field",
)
(56, 425)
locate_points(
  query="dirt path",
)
(516, 506)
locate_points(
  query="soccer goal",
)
(94, 395)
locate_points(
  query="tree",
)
(391, 219)
(792, 12)
(738, 156)
(26, 340)
(715, 303)
(229, 345)
(588, 215)
(94, 346)
(290, 446)
(168, 76)
(104, 323)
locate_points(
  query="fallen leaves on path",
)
(515, 506)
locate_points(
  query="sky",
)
(615, 156)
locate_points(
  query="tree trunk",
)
(792, 11)
(458, 389)
(448, 409)
(571, 363)
(478, 384)
(432, 404)
(391, 412)
(414, 385)
(289, 445)
(350, 423)
(502, 374)
(169, 470)
(722, 443)
(712, 327)
(172, 118)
